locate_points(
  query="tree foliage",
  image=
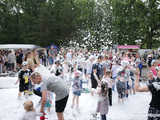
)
(42, 22)
(87, 23)
(136, 20)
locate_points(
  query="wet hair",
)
(26, 55)
(100, 57)
(104, 89)
(28, 106)
(106, 57)
(108, 72)
(34, 75)
(57, 62)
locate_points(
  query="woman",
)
(35, 58)
(28, 58)
(154, 88)
(153, 68)
(32, 59)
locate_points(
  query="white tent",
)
(18, 46)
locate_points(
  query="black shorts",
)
(153, 113)
(61, 104)
(94, 83)
(23, 87)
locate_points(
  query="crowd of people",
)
(103, 72)
(11, 59)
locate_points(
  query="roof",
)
(18, 46)
(128, 47)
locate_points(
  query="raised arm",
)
(138, 88)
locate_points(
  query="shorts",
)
(153, 113)
(133, 83)
(50, 59)
(94, 83)
(77, 93)
(121, 94)
(23, 87)
(61, 104)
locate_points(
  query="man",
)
(56, 85)
(97, 73)
(12, 61)
(52, 53)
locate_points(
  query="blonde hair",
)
(28, 106)
(34, 75)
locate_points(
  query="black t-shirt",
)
(19, 59)
(154, 88)
(99, 68)
(24, 76)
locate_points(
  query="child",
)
(121, 87)
(127, 80)
(48, 101)
(103, 103)
(76, 87)
(108, 80)
(30, 113)
(23, 79)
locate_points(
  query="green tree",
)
(136, 20)
(42, 22)
(98, 30)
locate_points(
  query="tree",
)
(43, 22)
(136, 20)
(98, 31)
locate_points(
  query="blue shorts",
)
(77, 93)
(50, 59)
(133, 84)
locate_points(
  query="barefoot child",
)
(108, 80)
(76, 87)
(103, 102)
(121, 87)
(30, 113)
(23, 79)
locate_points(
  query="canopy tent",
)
(18, 46)
(128, 47)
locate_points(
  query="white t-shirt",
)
(115, 70)
(32, 115)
